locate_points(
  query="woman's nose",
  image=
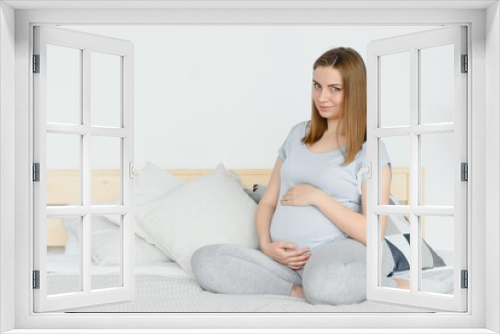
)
(324, 96)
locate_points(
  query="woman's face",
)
(328, 92)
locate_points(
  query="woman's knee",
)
(337, 284)
(336, 274)
(207, 263)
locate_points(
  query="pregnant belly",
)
(304, 226)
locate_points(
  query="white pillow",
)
(106, 242)
(157, 182)
(209, 209)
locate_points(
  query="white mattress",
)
(165, 287)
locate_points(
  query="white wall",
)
(210, 94)
(7, 188)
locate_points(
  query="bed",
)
(168, 230)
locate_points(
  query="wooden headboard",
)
(63, 184)
(63, 189)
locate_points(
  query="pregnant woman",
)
(311, 220)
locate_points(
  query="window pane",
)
(105, 89)
(395, 90)
(105, 155)
(64, 84)
(64, 255)
(395, 259)
(437, 249)
(397, 152)
(106, 252)
(436, 84)
(437, 168)
(63, 169)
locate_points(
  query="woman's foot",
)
(297, 291)
(402, 283)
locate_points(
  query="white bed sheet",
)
(165, 287)
(68, 265)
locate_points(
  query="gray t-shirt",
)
(306, 226)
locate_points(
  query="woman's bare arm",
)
(282, 252)
(267, 205)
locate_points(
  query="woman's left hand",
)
(302, 194)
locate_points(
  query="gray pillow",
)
(256, 193)
(397, 236)
(399, 244)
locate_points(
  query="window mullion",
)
(86, 171)
(414, 171)
(86, 124)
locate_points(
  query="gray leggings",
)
(334, 274)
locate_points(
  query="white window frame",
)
(412, 44)
(483, 102)
(124, 135)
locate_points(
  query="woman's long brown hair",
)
(353, 115)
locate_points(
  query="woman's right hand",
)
(286, 253)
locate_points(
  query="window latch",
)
(142, 175)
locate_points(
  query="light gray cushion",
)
(206, 210)
(106, 242)
(157, 183)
